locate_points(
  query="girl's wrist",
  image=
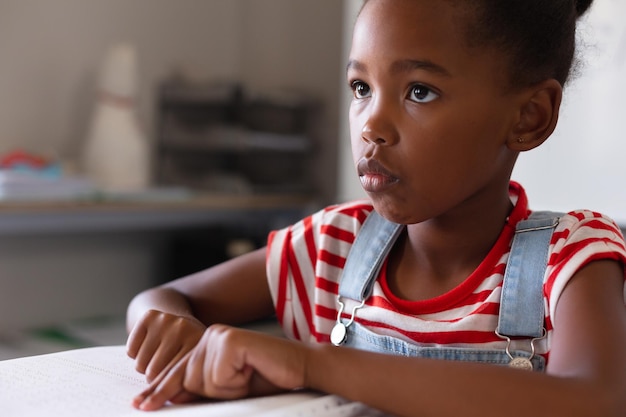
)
(317, 361)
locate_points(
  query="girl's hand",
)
(229, 363)
(161, 339)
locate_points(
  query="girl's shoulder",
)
(588, 222)
(582, 235)
(350, 207)
(349, 215)
(342, 220)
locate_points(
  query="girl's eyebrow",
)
(408, 65)
(355, 65)
(404, 65)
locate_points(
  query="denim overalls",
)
(521, 303)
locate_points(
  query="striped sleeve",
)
(581, 237)
(304, 263)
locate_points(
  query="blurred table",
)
(71, 259)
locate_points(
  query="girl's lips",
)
(374, 176)
(375, 183)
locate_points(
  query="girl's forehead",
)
(409, 16)
(410, 27)
(460, 7)
(388, 34)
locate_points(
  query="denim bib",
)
(521, 304)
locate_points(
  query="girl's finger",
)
(168, 385)
(135, 340)
(165, 355)
(146, 353)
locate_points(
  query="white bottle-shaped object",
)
(116, 155)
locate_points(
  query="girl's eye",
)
(360, 89)
(422, 94)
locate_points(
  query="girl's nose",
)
(379, 127)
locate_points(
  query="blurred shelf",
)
(128, 214)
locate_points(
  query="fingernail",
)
(146, 404)
(138, 400)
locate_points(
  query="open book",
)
(101, 381)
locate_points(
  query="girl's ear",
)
(538, 114)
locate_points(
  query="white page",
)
(99, 382)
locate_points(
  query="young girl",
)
(447, 93)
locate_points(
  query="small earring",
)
(520, 140)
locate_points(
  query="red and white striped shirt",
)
(305, 262)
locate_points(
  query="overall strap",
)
(521, 303)
(366, 257)
(522, 289)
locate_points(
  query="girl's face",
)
(430, 117)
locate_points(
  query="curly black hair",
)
(539, 36)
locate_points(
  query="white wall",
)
(50, 52)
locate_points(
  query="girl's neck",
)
(435, 256)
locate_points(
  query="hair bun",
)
(582, 6)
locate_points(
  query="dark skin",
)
(176, 314)
(444, 137)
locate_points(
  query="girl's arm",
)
(167, 321)
(586, 374)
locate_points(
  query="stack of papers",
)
(23, 185)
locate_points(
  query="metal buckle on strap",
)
(520, 362)
(340, 331)
(555, 223)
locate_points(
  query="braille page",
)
(99, 382)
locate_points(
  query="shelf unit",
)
(212, 138)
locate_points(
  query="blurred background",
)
(53, 57)
(144, 140)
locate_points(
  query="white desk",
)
(102, 382)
